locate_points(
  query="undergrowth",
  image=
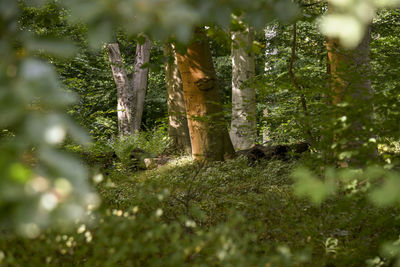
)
(223, 214)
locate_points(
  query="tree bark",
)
(208, 133)
(243, 126)
(140, 78)
(178, 131)
(131, 92)
(351, 94)
(125, 91)
(271, 31)
(350, 70)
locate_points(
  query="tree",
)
(178, 131)
(126, 92)
(351, 95)
(131, 93)
(271, 31)
(140, 77)
(208, 133)
(243, 126)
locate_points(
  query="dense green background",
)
(234, 213)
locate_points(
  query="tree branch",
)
(295, 82)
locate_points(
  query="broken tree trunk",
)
(140, 78)
(131, 92)
(125, 91)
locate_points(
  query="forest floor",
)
(230, 213)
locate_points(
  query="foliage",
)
(229, 214)
(123, 153)
(140, 145)
(354, 16)
(163, 19)
(87, 74)
(185, 214)
(155, 109)
(40, 185)
(284, 120)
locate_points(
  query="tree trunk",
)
(243, 126)
(140, 78)
(178, 131)
(350, 70)
(271, 31)
(126, 92)
(351, 94)
(208, 133)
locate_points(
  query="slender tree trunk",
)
(126, 92)
(243, 126)
(140, 78)
(271, 32)
(208, 133)
(178, 131)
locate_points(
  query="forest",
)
(200, 133)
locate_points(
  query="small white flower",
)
(63, 186)
(159, 212)
(190, 224)
(81, 229)
(98, 178)
(135, 209)
(88, 236)
(55, 134)
(48, 201)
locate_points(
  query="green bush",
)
(125, 153)
(139, 146)
(154, 142)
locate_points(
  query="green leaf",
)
(100, 34)
(62, 48)
(19, 173)
(308, 185)
(64, 165)
(389, 193)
